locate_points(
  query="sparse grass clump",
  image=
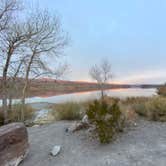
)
(135, 100)
(162, 91)
(106, 118)
(153, 109)
(68, 111)
(15, 113)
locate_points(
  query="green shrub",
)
(68, 111)
(15, 114)
(106, 118)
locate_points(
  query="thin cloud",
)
(153, 76)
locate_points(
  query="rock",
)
(83, 124)
(36, 126)
(13, 144)
(55, 150)
(85, 119)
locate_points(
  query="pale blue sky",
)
(130, 33)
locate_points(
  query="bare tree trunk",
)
(4, 108)
(102, 90)
(23, 99)
(24, 91)
(4, 100)
(4, 104)
(4, 87)
(102, 94)
(13, 85)
(10, 103)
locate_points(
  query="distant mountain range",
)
(66, 82)
(52, 87)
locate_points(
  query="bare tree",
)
(13, 41)
(48, 42)
(7, 9)
(101, 73)
(27, 43)
(13, 86)
(7, 44)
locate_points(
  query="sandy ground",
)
(143, 145)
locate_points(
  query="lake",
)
(83, 96)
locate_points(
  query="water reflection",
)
(83, 96)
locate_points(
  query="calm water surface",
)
(83, 96)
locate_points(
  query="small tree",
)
(102, 74)
(106, 118)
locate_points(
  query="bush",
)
(129, 114)
(156, 109)
(153, 109)
(15, 114)
(106, 118)
(162, 91)
(135, 100)
(67, 111)
(140, 108)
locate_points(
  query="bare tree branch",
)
(101, 73)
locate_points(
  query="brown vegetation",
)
(162, 90)
(68, 111)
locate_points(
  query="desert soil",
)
(142, 145)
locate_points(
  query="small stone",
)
(36, 125)
(55, 150)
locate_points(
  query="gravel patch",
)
(143, 145)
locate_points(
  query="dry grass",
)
(129, 114)
(152, 108)
(162, 91)
(68, 111)
(15, 114)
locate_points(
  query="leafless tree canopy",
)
(47, 42)
(26, 45)
(7, 9)
(101, 73)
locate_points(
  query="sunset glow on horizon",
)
(131, 35)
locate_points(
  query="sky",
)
(131, 34)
